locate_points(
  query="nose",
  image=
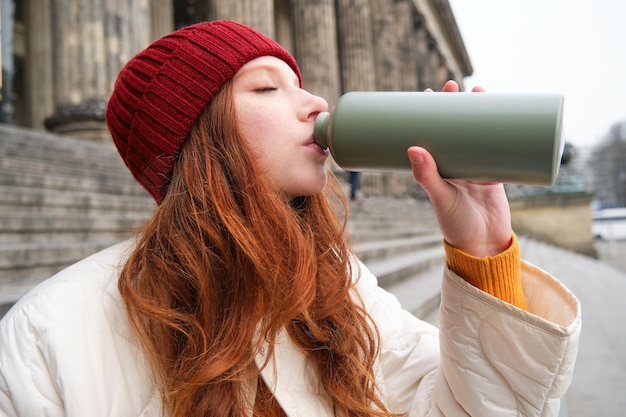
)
(314, 106)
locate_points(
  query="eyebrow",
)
(267, 67)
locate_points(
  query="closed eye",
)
(264, 89)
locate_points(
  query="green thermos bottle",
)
(510, 138)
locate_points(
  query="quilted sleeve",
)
(498, 360)
(488, 358)
(26, 386)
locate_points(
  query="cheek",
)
(255, 126)
(260, 138)
(262, 135)
(261, 130)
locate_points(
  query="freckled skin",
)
(277, 118)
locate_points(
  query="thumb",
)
(426, 174)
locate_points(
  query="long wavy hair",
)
(225, 264)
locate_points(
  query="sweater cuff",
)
(499, 275)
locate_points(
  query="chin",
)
(312, 188)
(320, 186)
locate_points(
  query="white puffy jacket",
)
(66, 350)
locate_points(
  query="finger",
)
(426, 174)
(428, 90)
(478, 89)
(451, 86)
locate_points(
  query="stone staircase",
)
(399, 241)
(62, 199)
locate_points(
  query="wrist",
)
(498, 275)
(491, 248)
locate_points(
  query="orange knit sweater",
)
(498, 275)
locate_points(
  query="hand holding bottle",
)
(473, 216)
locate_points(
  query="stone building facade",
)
(60, 58)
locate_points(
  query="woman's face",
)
(277, 118)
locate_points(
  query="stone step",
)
(113, 169)
(395, 211)
(385, 205)
(371, 225)
(97, 157)
(25, 222)
(76, 236)
(90, 183)
(364, 233)
(379, 213)
(379, 249)
(31, 200)
(30, 262)
(398, 267)
(421, 294)
(25, 228)
(20, 143)
(395, 214)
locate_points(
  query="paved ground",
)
(612, 252)
(599, 384)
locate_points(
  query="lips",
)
(317, 148)
(320, 146)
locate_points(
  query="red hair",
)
(225, 263)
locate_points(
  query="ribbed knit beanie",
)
(161, 92)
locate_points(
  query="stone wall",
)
(560, 219)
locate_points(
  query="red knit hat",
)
(161, 92)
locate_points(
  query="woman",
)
(240, 295)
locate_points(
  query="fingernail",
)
(417, 159)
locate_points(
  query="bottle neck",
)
(321, 130)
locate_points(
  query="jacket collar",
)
(293, 380)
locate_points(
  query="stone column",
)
(127, 30)
(92, 39)
(356, 50)
(39, 53)
(369, 34)
(7, 107)
(389, 34)
(161, 17)
(256, 13)
(315, 41)
(407, 51)
(436, 66)
(443, 73)
(283, 25)
(424, 45)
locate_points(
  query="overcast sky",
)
(573, 47)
